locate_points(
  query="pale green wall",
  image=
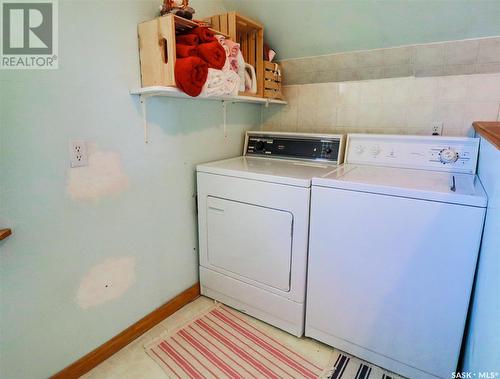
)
(301, 28)
(57, 240)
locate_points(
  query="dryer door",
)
(250, 242)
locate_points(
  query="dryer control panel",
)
(302, 146)
(452, 154)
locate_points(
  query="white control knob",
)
(359, 149)
(375, 150)
(448, 155)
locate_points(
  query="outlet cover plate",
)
(437, 128)
(78, 153)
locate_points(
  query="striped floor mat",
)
(222, 344)
(348, 367)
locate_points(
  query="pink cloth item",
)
(232, 50)
(222, 41)
(233, 64)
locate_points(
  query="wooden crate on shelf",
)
(272, 81)
(157, 48)
(250, 35)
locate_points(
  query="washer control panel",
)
(303, 146)
(453, 154)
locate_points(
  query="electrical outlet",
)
(78, 153)
(437, 128)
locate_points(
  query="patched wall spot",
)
(103, 176)
(106, 281)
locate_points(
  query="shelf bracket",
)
(144, 111)
(147, 92)
(224, 117)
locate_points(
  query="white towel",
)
(221, 83)
(250, 79)
(225, 82)
(241, 71)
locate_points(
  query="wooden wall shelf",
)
(174, 92)
(4, 233)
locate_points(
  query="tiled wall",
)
(450, 58)
(396, 105)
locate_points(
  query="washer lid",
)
(294, 173)
(418, 184)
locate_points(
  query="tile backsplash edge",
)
(463, 57)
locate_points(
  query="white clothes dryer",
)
(253, 218)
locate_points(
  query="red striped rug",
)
(221, 344)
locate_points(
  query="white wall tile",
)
(381, 116)
(489, 50)
(420, 115)
(370, 115)
(316, 106)
(271, 117)
(482, 111)
(396, 90)
(289, 114)
(347, 116)
(461, 52)
(424, 90)
(451, 114)
(345, 60)
(325, 108)
(348, 93)
(430, 54)
(464, 57)
(459, 132)
(370, 91)
(327, 92)
(483, 87)
(398, 55)
(306, 106)
(485, 68)
(396, 105)
(393, 116)
(370, 58)
(452, 89)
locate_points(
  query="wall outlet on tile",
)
(437, 128)
(78, 153)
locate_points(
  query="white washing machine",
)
(253, 218)
(394, 239)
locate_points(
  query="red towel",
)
(188, 39)
(213, 53)
(203, 33)
(191, 74)
(184, 51)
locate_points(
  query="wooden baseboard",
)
(103, 352)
